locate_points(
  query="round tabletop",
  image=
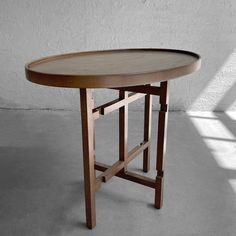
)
(112, 68)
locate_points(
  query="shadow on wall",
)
(227, 101)
(220, 92)
(209, 29)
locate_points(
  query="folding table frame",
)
(88, 116)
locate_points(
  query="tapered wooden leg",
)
(147, 131)
(161, 144)
(94, 146)
(123, 129)
(88, 155)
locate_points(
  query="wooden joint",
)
(112, 170)
(164, 107)
(160, 173)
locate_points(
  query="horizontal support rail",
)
(111, 103)
(137, 150)
(116, 104)
(146, 89)
(140, 179)
(101, 166)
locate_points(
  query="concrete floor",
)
(41, 177)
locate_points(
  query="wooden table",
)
(131, 72)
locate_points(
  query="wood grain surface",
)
(112, 68)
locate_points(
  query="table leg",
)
(147, 131)
(123, 129)
(161, 144)
(86, 101)
(94, 140)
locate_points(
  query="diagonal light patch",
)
(220, 141)
(219, 86)
(232, 182)
(231, 115)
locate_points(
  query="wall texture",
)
(32, 29)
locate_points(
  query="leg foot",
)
(158, 193)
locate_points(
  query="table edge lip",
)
(71, 54)
(192, 67)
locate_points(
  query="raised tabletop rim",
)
(109, 80)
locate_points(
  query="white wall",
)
(30, 29)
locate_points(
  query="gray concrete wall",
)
(32, 29)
